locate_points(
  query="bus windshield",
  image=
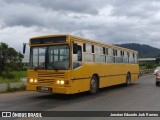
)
(50, 57)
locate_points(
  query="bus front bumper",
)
(52, 89)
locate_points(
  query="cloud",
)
(83, 6)
(112, 21)
(137, 8)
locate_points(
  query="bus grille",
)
(49, 77)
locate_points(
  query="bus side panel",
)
(76, 86)
(112, 80)
(135, 72)
(113, 74)
(84, 74)
(86, 84)
(134, 77)
(109, 74)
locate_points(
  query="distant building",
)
(144, 61)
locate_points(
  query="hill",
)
(145, 51)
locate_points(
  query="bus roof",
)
(87, 41)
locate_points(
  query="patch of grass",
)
(3, 80)
(19, 74)
(12, 76)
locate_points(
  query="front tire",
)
(93, 85)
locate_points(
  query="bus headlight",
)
(31, 80)
(35, 80)
(60, 82)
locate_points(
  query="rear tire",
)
(93, 85)
(128, 79)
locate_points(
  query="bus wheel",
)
(93, 85)
(128, 79)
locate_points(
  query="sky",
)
(109, 21)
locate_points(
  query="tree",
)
(10, 59)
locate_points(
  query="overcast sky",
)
(110, 21)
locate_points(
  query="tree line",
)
(10, 59)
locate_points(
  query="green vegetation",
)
(8, 80)
(10, 64)
(149, 65)
(142, 67)
(12, 76)
(20, 73)
(11, 68)
(10, 59)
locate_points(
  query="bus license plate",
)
(46, 89)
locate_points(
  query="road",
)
(142, 95)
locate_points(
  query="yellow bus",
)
(68, 64)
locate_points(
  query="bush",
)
(151, 65)
(25, 69)
(8, 76)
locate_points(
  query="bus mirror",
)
(75, 48)
(24, 48)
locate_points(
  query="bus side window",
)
(77, 49)
(84, 47)
(77, 55)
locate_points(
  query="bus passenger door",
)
(76, 75)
